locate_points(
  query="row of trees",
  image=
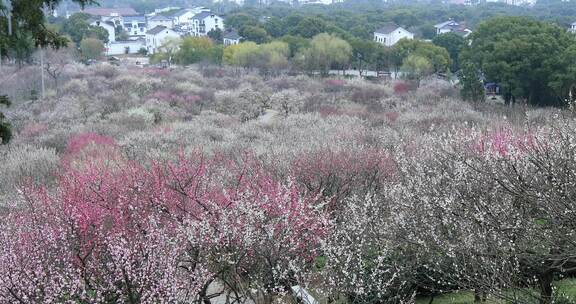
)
(320, 54)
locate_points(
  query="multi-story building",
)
(204, 22)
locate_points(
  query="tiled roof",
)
(135, 18)
(387, 28)
(202, 15)
(160, 18)
(179, 13)
(233, 35)
(155, 30)
(446, 23)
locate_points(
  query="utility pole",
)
(42, 72)
(9, 16)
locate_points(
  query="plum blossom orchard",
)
(163, 186)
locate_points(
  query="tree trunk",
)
(545, 281)
(479, 296)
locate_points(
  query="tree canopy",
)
(530, 59)
(28, 19)
(78, 28)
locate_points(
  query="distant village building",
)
(391, 33)
(204, 22)
(125, 47)
(149, 32)
(231, 37)
(182, 19)
(572, 28)
(157, 20)
(155, 37)
(135, 25)
(452, 26)
(108, 26)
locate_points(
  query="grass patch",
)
(565, 287)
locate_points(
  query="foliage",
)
(78, 28)
(309, 27)
(197, 49)
(526, 57)
(216, 36)
(5, 128)
(472, 87)
(453, 43)
(254, 33)
(416, 67)
(268, 58)
(437, 56)
(325, 51)
(28, 21)
(91, 48)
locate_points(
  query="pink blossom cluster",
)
(118, 231)
(34, 129)
(337, 173)
(175, 98)
(504, 141)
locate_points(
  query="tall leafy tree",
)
(91, 48)
(196, 49)
(254, 33)
(27, 18)
(5, 128)
(528, 58)
(78, 28)
(471, 84)
(435, 55)
(453, 43)
(325, 51)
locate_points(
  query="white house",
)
(125, 47)
(572, 28)
(108, 26)
(183, 18)
(204, 22)
(452, 26)
(155, 38)
(159, 20)
(391, 33)
(231, 38)
(135, 25)
(446, 27)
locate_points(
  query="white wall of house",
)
(124, 47)
(445, 27)
(153, 42)
(230, 41)
(393, 37)
(201, 27)
(573, 27)
(135, 28)
(109, 28)
(184, 20)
